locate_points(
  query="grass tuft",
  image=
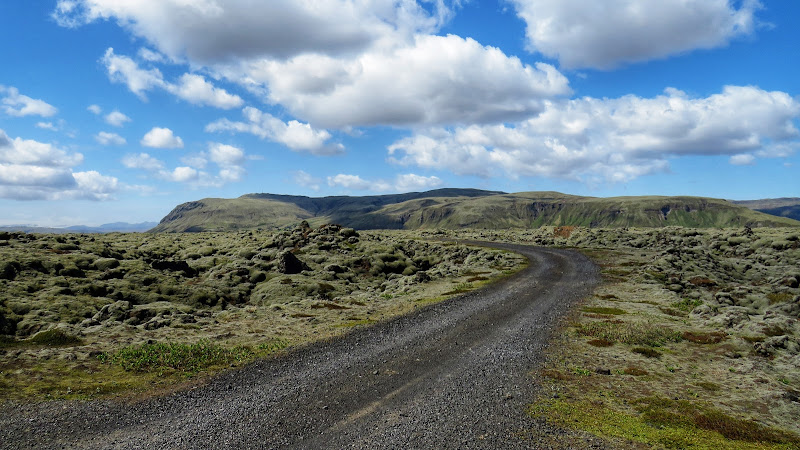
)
(185, 358)
(632, 333)
(602, 310)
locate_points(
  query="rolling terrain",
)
(783, 207)
(462, 208)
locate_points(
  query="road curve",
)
(452, 375)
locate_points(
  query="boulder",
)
(289, 264)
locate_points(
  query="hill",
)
(120, 227)
(461, 208)
(782, 207)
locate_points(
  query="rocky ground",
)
(73, 308)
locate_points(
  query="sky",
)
(119, 110)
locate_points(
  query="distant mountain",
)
(461, 208)
(122, 227)
(782, 207)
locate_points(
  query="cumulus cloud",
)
(402, 183)
(190, 87)
(161, 138)
(94, 109)
(228, 159)
(106, 138)
(434, 80)
(611, 140)
(18, 105)
(32, 170)
(195, 89)
(604, 34)
(142, 161)
(47, 126)
(305, 179)
(293, 134)
(122, 69)
(744, 159)
(207, 31)
(117, 119)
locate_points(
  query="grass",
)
(177, 357)
(662, 423)
(602, 310)
(647, 351)
(632, 333)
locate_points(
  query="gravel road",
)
(453, 375)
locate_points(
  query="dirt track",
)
(453, 375)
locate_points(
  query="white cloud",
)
(195, 89)
(225, 155)
(402, 183)
(116, 118)
(208, 31)
(18, 105)
(161, 138)
(122, 69)
(96, 186)
(604, 34)
(94, 109)
(433, 80)
(142, 161)
(31, 170)
(182, 174)
(106, 138)
(744, 159)
(352, 182)
(411, 182)
(190, 87)
(33, 153)
(295, 54)
(305, 179)
(293, 134)
(611, 140)
(47, 126)
(229, 161)
(148, 55)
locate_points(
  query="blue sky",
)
(118, 110)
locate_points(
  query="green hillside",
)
(783, 207)
(457, 208)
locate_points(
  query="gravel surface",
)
(453, 375)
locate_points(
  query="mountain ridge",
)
(461, 208)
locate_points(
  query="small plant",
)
(779, 297)
(687, 304)
(600, 343)
(185, 358)
(647, 351)
(581, 371)
(635, 371)
(602, 310)
(636, 333)
(704, 338)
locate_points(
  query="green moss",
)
(633, 333)
(662, 423)
(601, 310)
(54, 338)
